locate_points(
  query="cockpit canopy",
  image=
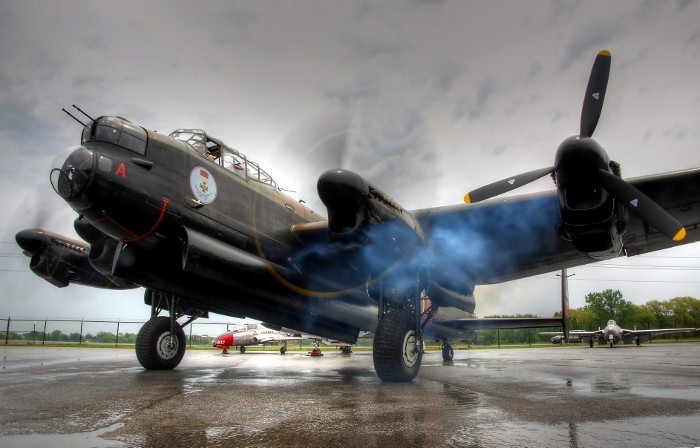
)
(215, 150)
(118, 131)
(611, 323)
(244, 327)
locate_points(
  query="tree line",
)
(600, 307)
(679, 312)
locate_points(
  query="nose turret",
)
(70, 181)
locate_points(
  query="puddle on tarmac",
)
(654, 392)
(648, 431)
(90, 439)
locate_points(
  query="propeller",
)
(581, 161)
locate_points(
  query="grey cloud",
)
(21, 127)
(683, 4)
(695, 38)
(444, 77)
(350, 92)
(372, 46)
(556, 115)
(535, 69)
(590, 38)
(637, 59)
(477, 105)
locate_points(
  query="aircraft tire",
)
(283, 350)
(448, 353)
(590, 343)
(153, 345)
(242, 349)
(396, 357)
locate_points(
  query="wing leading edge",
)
(510, 238)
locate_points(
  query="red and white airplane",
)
(245, 334)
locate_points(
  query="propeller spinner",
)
(581, 164)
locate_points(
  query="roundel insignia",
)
(203, 185)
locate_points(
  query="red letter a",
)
(121, 170)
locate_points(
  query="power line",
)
(644, 266)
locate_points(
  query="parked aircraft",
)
(204, 228)
(558, 338)
(612, 334)
(246, 334)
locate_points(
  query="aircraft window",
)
(234, 163)
(611, 322)
(223, 155)
(194, 138)
(121, 132)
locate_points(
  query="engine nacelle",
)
(370, 232)
(355, 206)
(61, 261)
(590, 217)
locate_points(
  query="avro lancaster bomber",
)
(202, 228)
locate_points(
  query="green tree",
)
(104, 337)
(661, 311)
(608, 305)
(581, 319)
(57, 335)
(686, 311)
(643, 318)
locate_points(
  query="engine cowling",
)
(355, 205)
(61, 261)
(590, 217)
(367, 228)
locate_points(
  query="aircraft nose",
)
(71, 179)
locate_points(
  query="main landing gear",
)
(398, 341)
(448, 352)
(316, 350)
(161, 342)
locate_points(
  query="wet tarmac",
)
(556, 396)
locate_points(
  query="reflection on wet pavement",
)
(572, 396)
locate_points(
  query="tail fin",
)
(565, 305)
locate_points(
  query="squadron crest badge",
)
(203, 185)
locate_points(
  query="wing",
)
(515, 237)
(572, 334)
(657, 331)
(502, 323)
(266, 338)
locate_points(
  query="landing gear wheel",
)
(638, 342)
(590, 343)
(242, 349)
(448, 352)
(397, 355)
(283, 350)
(156, 348)
(612, 345)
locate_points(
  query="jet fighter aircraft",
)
(613, 333)
(203, 228)
(246, 334)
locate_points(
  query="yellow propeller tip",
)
(680, 235)
(604, 53)
(467, 199)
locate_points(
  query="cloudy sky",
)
(433, 98)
